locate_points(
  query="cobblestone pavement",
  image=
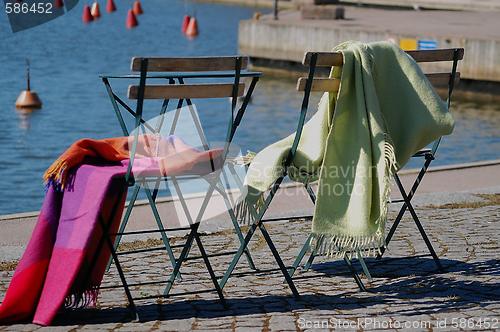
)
(405, 293)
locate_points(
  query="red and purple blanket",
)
(65, 261)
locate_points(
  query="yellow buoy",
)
(28, 98)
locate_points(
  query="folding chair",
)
(222, 78)
(307, 85)
(440, 80)
(152, 194)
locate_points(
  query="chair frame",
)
(453, 55)
(335, 59)
(202, 68)
(259, 217)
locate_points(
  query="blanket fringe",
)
(56, 175)
(246, 213)
(336, 246)
(390, 169)
(82, 299)
(367, 246)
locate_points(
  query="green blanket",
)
(384, 112)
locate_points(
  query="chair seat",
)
(188, 163)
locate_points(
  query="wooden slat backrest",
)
(189, 64)
(186, 91)
(438, 80)
(319, 84)
(330, 59)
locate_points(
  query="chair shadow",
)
(418, 284)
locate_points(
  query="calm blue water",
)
(67, 57)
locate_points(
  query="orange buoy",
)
(192, 28)
(185, 23)
(110, 6)
(27, 98)
(95, 10)
(87, 16)
(131, 20)
(137, 8)
(58, 3)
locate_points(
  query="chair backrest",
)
(310, 83)
(331, 59)
(210, 70)
(203, 66)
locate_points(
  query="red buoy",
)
(87, 16)
(110, 6)
(192, 28)
(137, 8)
(131, 20)
(58, 3)
(95, 10)
(185, 23)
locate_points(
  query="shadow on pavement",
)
(411, 281)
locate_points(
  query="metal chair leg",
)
(178, 263)
(159, 224)
(237, 230)
(124, 222)
(234, 220)
(209, 267)
(237, 256)
(278, 260)
(354, 274)
(410, 195)
(426, 239)
(419, 225)
(363, 265)
(193, 235)
(392, 230)
(312, 197)
(107, 239)
(309, 262)
(300, 256)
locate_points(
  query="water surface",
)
(67, 57)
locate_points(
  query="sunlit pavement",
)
(404, 293)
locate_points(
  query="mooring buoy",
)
(110, 6)
(192, 28)
(95, 10)
(131, 21)
(137, 8)
(28, 98)
(87, 15)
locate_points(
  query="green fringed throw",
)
(384, 112)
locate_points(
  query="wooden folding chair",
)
(307, 85)
(222, 78)
(442, 80)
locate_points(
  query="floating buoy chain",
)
(91, 13)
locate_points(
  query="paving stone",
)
(403, 290)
